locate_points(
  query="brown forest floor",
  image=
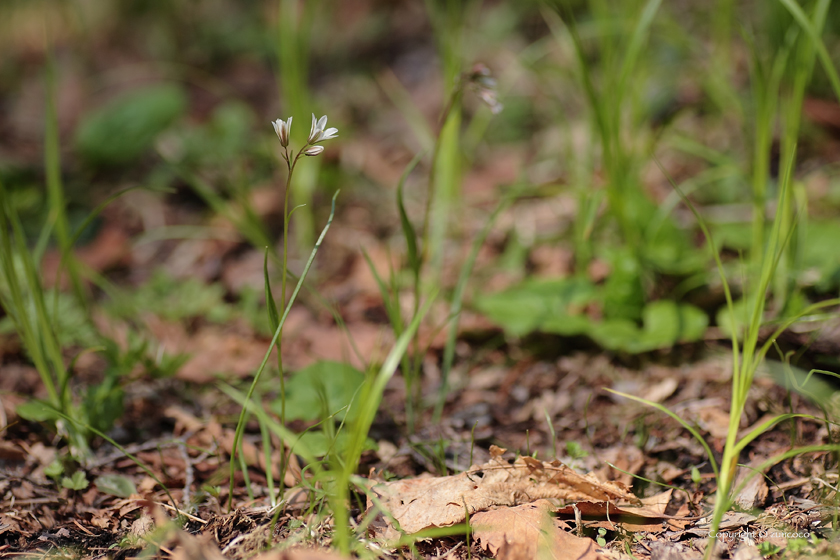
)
(502, 388)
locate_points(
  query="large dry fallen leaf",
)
(527, 532)
(442, 502)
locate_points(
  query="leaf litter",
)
(527, 508)
(422, 503)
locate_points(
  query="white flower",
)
(313, 150)
(317, 132)
(282, 130)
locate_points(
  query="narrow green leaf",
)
(408, 229)
(673, 415)
(796, 11)
(391, 301)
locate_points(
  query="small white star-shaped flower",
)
(317, 132)
(282, 129)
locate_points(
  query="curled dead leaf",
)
(416, 504)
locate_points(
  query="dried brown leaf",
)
(527, 532)
(442, 502)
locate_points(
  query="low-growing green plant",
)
(317, 134)
(769, 249)
(645, 244)
(48, 322)
(333, 477)
(747, 355)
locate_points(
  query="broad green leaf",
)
(37, 411)
(741, 309)
(330, 384)
(567, 325)
(116, 485)
(55, 469)
(618, 334)
(667, 322)
(735, 235)
(624, 297)
(550, 305)
(819, 253)
(672, 252)
(124, 129)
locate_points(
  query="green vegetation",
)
(618, 97)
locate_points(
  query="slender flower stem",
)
(290, 165)
(317, 134)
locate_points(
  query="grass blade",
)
(673, 415)
(409, 232)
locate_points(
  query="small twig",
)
(449, 552)
(30, 502)
(184, 513)
(826, 484)
(189, 475)
(85, 531)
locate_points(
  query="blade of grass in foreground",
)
(369, 400)
(240, 426)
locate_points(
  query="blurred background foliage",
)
(174, 99)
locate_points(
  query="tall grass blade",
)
(369, 400)
(803, 21)
(414, 260)
(55, 188)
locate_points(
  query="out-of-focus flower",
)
(484, 84)
(313, 150)
(317, 132)
(282, 129)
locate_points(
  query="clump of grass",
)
(36, 313)
(772, 255)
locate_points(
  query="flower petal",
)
(327, 134)
(313, 130)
